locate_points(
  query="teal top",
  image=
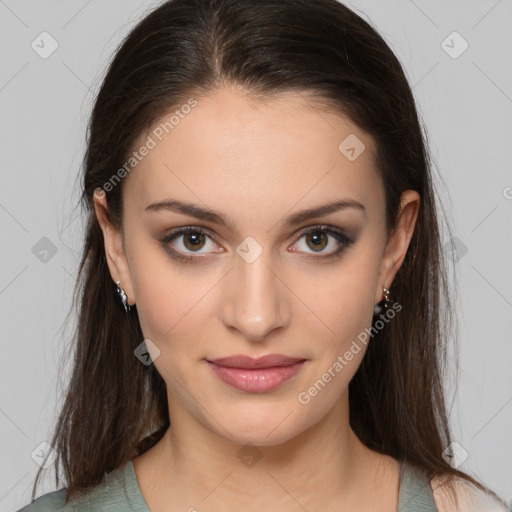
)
(120, 492)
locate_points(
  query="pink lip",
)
(256, 375)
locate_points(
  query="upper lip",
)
(248, 363)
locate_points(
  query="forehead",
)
(273, 151)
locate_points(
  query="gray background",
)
(466, 103)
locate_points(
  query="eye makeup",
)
(340, 236)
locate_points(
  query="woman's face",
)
(265, 280)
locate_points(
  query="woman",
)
(261, 284)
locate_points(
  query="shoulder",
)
(109, 495)
(471, 498)
(52, 501)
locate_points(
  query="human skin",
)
(256, 163)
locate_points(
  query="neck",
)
(202, 469)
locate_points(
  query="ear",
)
(398, 242)
(114, 247)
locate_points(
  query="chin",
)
(271, 427)
(260, 438)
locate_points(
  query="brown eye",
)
(188, 240)
(193, 240)
(326, 241)
(317, 240)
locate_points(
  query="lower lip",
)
(259, 380)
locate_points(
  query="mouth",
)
(259, 375)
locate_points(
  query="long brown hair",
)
(115, 408)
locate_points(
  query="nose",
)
(254, 300)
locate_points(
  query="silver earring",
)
(122, 298)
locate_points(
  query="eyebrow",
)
(205, 214)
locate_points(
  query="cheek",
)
(171, 315)
(345, 302)
(172, 300)
(167, 304)
(160, 297)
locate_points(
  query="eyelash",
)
(339, 234)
